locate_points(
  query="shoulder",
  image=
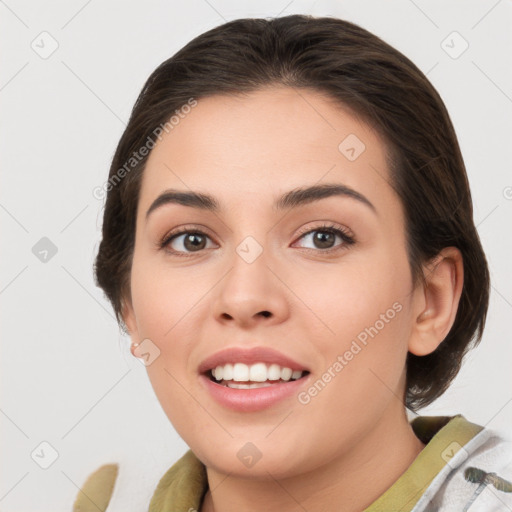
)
(484, 477)
(477, 474)
(130, 484)
(183, 485)
(97, 490)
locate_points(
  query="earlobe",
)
(436, 302)
(131, 324)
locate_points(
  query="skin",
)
(352, 441)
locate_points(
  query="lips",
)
(252, 396)
(249, 357)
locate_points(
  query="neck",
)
(352, 481)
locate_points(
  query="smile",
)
(258, 375)
(252, 379)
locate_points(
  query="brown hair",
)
(372, 79)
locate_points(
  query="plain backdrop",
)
(73, 397)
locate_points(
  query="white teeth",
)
(227, 373)
(237, 385)
(240, 372)
(286, 373)
(274, 372)
(258, 372)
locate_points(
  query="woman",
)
(288, 239)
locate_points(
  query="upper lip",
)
(249, 356)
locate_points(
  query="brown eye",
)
(324, 238)
(194, 241)
(186, 242)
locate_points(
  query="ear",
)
(435, 304)
(130, 321)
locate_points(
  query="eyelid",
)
(180, 230)
(346, 235)
(327, 225)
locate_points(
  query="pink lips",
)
(255, 399)
(249, 356)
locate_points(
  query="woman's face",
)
(262, 274)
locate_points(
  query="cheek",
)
(164, 306)
(361, 324)
(364, 346)
(163, 298)
(346, 299)
(163, 309)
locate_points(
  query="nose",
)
(251, 293)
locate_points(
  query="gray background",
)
(68, 378)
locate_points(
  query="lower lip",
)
(255, 399)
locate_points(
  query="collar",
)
(184, 485)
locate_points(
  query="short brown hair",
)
(372, 79)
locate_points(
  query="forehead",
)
(263, 143)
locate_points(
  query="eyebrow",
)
(292, 199)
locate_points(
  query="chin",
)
(259, 460)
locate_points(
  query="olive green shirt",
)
(184, 485)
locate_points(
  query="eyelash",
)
(334, 229)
